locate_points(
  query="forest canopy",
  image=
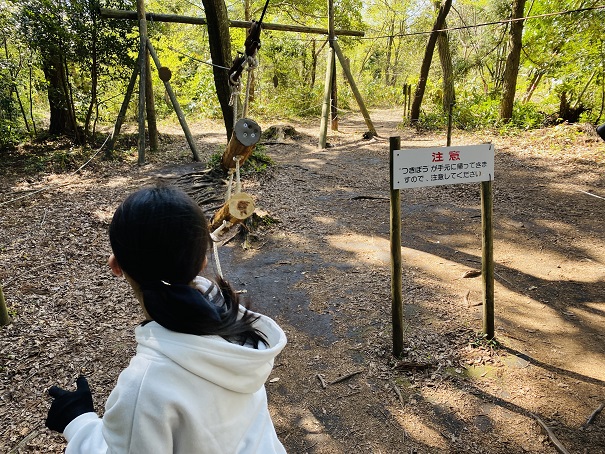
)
(502, 63)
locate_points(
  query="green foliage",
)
(482, 112)
(259, 161)
(481, 340)
(567, 50)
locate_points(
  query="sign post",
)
(487, 258)
(438, 166)
(396, 271)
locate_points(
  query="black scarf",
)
(181, 308)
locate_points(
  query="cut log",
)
(237, 209)
(246, 133)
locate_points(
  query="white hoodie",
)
(186, 394)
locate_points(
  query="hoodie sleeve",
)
(128, 425)
(84, 435)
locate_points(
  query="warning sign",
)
(415, 168)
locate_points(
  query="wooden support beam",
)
(142, 77)
(122, 115)
(110, 13)
(356, 93)
(325, 108)
(175, 104)
(330, 67)
(152, 123)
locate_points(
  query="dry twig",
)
(345, 377)
(552, 437)
(324, 385)
(398, 392)
(33, 434)
(594, 414)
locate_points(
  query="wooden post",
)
(449, 125)
(396, 269)
(122, 114)
(175, 105)
(4, 318)
(487, 259)
(152, 124)
(325, 108)
(405, 99)
(246, 134)
(142, 75)
(356, 93)
(334, 89)
(334, 96)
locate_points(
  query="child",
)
(196, 383)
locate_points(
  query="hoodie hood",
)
(235, 367)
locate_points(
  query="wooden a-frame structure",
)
(143, 69)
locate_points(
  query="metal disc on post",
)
(246, 133)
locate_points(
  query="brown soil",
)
(322, 270)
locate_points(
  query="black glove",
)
(68, 405)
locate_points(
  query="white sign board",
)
(419, 167)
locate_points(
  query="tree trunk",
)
(219, 40)
(313, 65)
(445, 57)
(428, 57)
(94, 78)
(387, 69)
(58, 99)
(511, 70)
(537, 77)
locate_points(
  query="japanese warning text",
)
(415, 168)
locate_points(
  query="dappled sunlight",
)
(313, 163)
(595, 307)
(376, 250)
(566, 333)
(543, 264)
(324, 220)
(535, 316)
(368, 249)
(419, 429)
(313, 430)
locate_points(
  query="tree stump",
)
(246, 133)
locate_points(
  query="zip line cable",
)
(196, 59)
(506, 21)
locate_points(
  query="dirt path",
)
(323, 272)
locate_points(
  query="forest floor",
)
(321, 269)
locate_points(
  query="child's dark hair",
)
(159, 237)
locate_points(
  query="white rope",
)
(215, 240)
(229, 185)
(252, 64)
(217, 262)
(238, 182)
(233, 101)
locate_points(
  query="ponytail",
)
(185, 309)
